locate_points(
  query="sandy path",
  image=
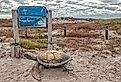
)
(13, 70)
(88, 67)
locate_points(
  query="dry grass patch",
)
(79, 35)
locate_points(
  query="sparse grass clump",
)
(33, 43)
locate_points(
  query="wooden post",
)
(64, 31)
(50, 30)
(106, 33)
(16, 34)
(26, 35)
(15, 26)
(12, 48)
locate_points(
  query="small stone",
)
(97, 47)
(106, 52)
(117, 49)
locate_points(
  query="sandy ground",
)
(94, 60)
(88, 67)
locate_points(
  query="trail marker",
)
(30, 17)
(64, 31)
(107, 33)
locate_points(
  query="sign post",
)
(50, 30)
(30, 17)
(15, 44)
(15, 26)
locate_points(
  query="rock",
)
(106, 52)
(56, 32)
(7, 40)
(104, 56)
(97, 47)
(118, 31)
(117, 49)
(1, 46)
(6, 45)
(2, 39)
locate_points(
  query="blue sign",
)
(32, 16)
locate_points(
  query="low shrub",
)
(33, 43)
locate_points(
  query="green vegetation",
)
(112, 22)
(33, 43)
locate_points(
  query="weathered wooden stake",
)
(64, 31)
(106, 33)
(50, 30)
(26, 35)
